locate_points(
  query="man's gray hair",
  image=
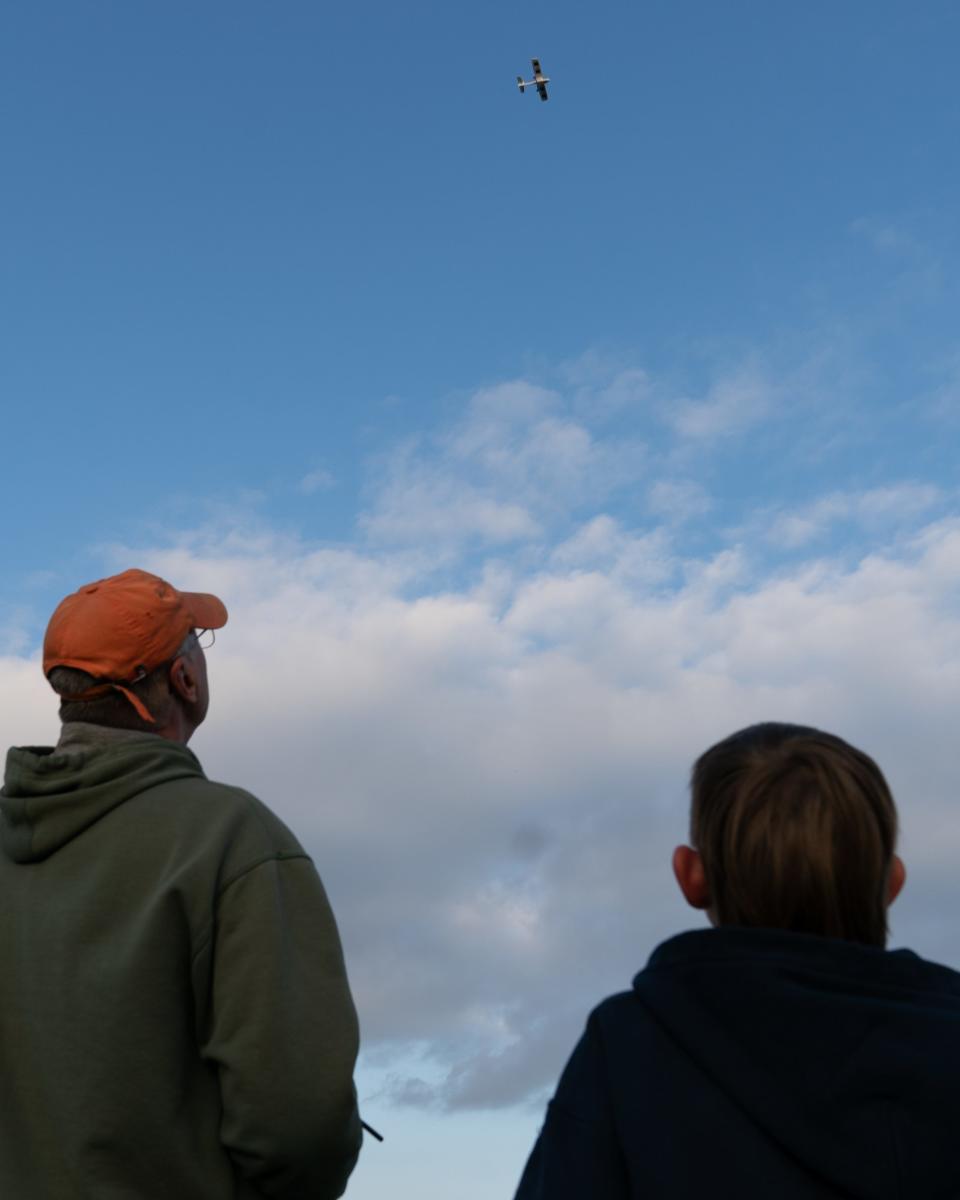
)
(113, 708)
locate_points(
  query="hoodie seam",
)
(253, 806)
(276, 856)
(917, 979)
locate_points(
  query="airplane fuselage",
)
(539, 80)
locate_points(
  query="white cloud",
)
(921, 272)
(491, 778)
(602, 544)
(14, 637)
(487, 754)
(603, 386)
(316, 481)
(28, 706)
(678, 500)
(888, 505)
(436, 507)
(884, 235)
(514, 461)
(943, 403)
(732, 405)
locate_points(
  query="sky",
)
(532, 448)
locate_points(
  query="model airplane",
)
(539, 79)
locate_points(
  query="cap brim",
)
(206, 611)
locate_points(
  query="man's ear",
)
(183, 680)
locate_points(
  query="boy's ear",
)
(688, 868)
(898, 877)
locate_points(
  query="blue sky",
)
(503, 427)
(293, 236)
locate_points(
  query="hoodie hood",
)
(51, 794)
(843, 1055)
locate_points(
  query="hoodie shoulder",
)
(614, 1007)
(246, 818)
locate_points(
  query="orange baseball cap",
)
(120, 628)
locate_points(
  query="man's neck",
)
(82, 735)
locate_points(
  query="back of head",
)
(109, 646)
(111, 707)
(796, 830)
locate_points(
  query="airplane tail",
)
(520, 83)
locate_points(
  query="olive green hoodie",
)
(175, 1018)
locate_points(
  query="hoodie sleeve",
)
(577, 1154)
(282, 1031)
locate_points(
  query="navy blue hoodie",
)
(761, 1063)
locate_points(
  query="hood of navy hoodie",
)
(844, 1056)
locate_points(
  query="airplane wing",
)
(542, 89)
(536, 66)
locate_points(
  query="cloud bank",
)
(479, 715)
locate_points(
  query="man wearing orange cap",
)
(175, 1017)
